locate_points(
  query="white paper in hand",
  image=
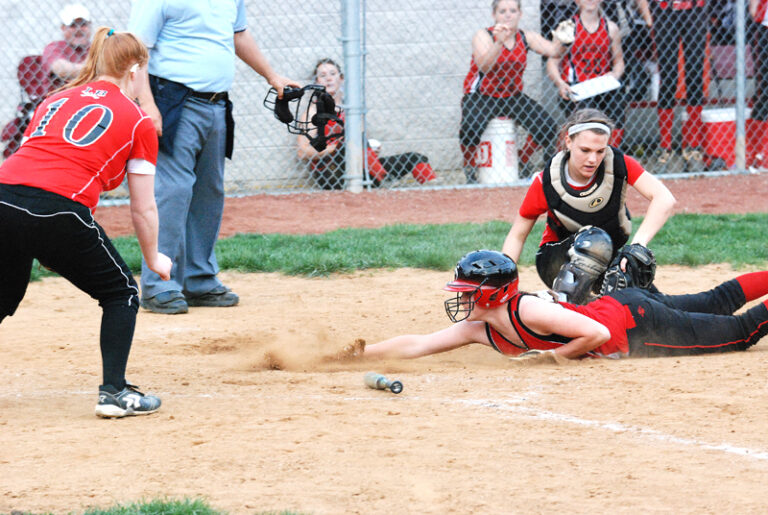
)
(590, 88)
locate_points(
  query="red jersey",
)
(505, 79)
(608, 311)
(679, 5)
(79, 141)
(535, 203)
(590, 55)
(762, 8)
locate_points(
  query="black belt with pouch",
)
(170, 97)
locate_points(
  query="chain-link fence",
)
(435, 113)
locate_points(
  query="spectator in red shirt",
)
(494, 84)
(64, 59)
(583, 186)
(596, 51)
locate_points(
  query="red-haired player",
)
(80, 142)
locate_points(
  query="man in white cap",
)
(64, 59)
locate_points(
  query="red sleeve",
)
(145, 142)
(535, 203)
(634, 169)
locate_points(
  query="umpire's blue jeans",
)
(189, 189)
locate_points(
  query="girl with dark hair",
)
(328, 165)
(582, 191)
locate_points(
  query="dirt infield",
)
(259, 415)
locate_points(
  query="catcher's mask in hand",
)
(297, 101)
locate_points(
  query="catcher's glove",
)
(565, 32)
(640, 269)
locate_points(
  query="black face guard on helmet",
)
(460, 306)
(291, 110)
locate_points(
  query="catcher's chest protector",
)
(603, 204)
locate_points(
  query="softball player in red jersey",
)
(589, 196)
(489, 309)
(494, 84)
(596, 51)
(80, 142)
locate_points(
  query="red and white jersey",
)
(505, 79)
(679, 5)
(79, 141)
(535, 202)
(615, 316)
(760, 13)
(590, 55)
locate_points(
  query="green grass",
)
(165, 507)
(690, 240)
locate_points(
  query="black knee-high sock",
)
(118, 322)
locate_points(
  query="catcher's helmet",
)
(490, 278)
(295, 102)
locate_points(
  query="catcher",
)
(488, 308)
(582, 190)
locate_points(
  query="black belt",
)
(210, 97)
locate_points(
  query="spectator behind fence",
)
(192, 63)
(677, 22)
(63, 60)
(494, 85)
(596, 51)
(582, 191)
(328, 166)
(82, 141)
(757, 125)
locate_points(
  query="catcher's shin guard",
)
(588, 258)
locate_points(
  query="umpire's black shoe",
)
(125, 403)
(166, 303)
(219, 297)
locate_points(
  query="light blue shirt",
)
(190, 41)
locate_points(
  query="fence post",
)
(353, 94)
(741, 85)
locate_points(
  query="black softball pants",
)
(478, 110)
(760, 49)
(670, 28)
(700, 323)
(63, 236)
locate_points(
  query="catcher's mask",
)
(295, 102)
(484, 277)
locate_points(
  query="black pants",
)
(760, 47)
(701, 323)
(670, 28)
(329, 171)
(63, 236)
(478, 110)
